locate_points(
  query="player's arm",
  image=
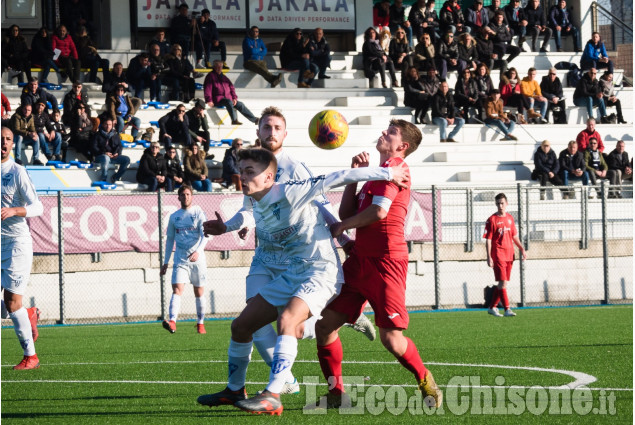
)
(169, 246)
(366, 217)
(327, 212)
(488, 251)
(520, 246)
(348, 206)
(33, 206)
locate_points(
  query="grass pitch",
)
(492, 370)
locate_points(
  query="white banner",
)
(305, 14)
(231, 14)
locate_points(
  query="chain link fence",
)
(101, 264)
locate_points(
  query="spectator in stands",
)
(179, 75)
(152, 169)
(560, 22)
(502, 38)
(537, 24)
(140, 74)
(209, 41)
(74, 97)
(494, 8)
(588, 93)
(448, 56)
(443, 113)
(6, 108)
(466, 95)
(496, 116)
(618, 162)
(254, 52)
(107, 150)
(219, 92)
(197, 123)
(547, 167)
(294, 54)
(174, 169)
(15, 54)
(424, 56)
(477, 17)
(517, 21)
(68, 58)
(231, 172)
(511, 95)
(375, 60)
(530, 88)
(121, 109)
(551, 88)
(160, 40)
(467, 50)
(42, 54)
(116, 77)
(23, 127)
(88, 55)
(594, 55)
(174, 127)
(196, 173)
(156, 69)
(572, 167)
(33, 92)
(399, 52)
(82, 131)
(60, 128)
(597, 167)
(46, 133)
(397, 16)
(181, 29)
(320, 52)
(484, 83)
(589, 132)
(452, 18)
(486, 53)
(610, 97)
(381, 14)
(415, 95)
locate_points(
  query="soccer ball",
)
(328, 129)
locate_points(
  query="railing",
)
(616, 29)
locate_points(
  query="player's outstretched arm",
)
(214, 227)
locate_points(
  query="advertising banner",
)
(306, 14)
(230, 14)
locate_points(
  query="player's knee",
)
(239, 330)
(392, 344)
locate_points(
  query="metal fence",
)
(97, 256)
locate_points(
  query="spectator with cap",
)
(231, 172)
(618, 162)
(209, 41)
(294, 54)
(320, 52)
(181, 28)
(121, 109)
(547, 167)
(572, 167)
(33, 92)
(254, 52)
(174, 127)
(219, 92)
(198, 127)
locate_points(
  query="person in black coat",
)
(179, 75)
(175, 128)
(181, 29)
(75, 96)
(33, 93)
(517, 21)
(42, 54)
(415, 95)
(152, 169)
(618, 162)
(107, 150)
(485, 51)
(551, 88)
(295, 54)
(399, 52)
(502, 38)
(448, 56)
(375, 59)
(231, 172)
(588, 93)
(140, 74)
(572, 167)
(209, 41)
(547, 167)
(452, 19)
(466, 95)
(114, 78)
(320, 52)
(443, 113)
(174, 168)
(537, 24)
(15, 53)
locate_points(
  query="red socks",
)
(505, 299)
(496, 296)
(330, 357)
(411, 360)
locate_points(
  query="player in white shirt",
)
(286, 218)
(185, 227)
(19, 200)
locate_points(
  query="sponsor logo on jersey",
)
(275, 210)
(6, 179)
(393, 315)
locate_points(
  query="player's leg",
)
(22, 326)
(198, 278)
(505, 276)
(497, 292)
(175, 304)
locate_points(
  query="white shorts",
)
(315, 283)
(260, 274)
(17, 258)
(185, 271)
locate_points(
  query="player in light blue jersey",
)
(290, 228)
(185, 227)
(19, 200)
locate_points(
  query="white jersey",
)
(18, 191)
(185, 227)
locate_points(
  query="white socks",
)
(175, 307)
(200, 309)
(265, 340)
(284, 355)
(22, 326)
(238, 357)
(309, 327)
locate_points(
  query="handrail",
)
(609, 14)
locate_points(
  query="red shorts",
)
(381, 282)
(502, 269)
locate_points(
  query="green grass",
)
(139, 373)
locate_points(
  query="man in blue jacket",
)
(254, 52)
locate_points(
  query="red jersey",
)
(501, 230)
(384, 238)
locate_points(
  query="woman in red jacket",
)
(510, 93)
(68, 57)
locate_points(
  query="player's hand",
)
(348, 247)
(242, 233)
(400, 175)
(361, 160)
(214, 227)
(194, 257)
(164, 270)
(336, 229)
(490, 263)
(8, 213)
(524, 254)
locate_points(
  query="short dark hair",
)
(183, 188)
(409, 134)
(259, 156)
(500, 196)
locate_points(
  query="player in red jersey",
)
(500, 238)
(376, 270)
